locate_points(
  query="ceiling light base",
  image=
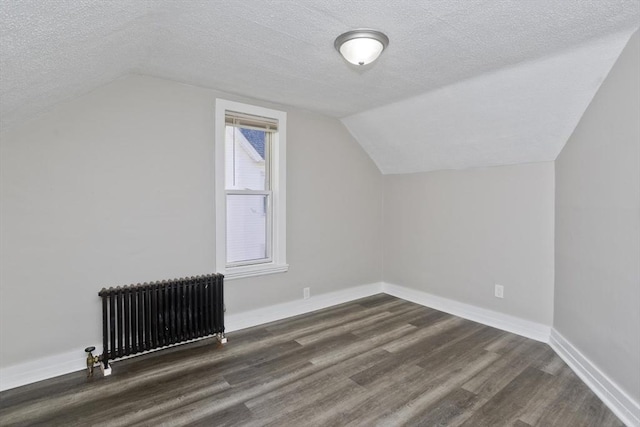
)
(362, 46)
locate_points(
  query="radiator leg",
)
(106, 370)
(222, 338)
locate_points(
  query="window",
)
(250, 190)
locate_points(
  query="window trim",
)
(278, 263)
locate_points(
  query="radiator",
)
(144, 317)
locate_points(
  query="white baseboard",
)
(44, 368)
(616, 399)
(73, 361)
(516, 325)
(272, 313)
(620, 403)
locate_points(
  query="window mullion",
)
(268, 160)
(248, 192)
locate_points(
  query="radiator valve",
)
(91, 360)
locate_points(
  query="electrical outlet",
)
(499, 291)
(306, 293)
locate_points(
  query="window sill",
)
(254, 270)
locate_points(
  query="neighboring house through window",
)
(250, 190)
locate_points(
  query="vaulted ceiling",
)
(463, 83)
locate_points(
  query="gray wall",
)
(455, 234)
(597, 284)
(117, 187)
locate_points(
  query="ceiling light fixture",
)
(361, 47)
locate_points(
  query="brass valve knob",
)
(91, 360)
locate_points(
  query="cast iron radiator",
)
(148, 316)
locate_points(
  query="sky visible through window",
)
(255, 138)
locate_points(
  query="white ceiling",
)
(282, 51)
(520, 114)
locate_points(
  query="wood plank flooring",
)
(378, 361)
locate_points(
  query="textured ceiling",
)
(53, 50)
(520, 114)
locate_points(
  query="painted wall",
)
(597, 246)
(455, 234)
(117, 187)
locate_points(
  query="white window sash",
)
(269, 226)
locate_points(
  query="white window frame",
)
(278, 224)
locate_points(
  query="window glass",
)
(246, 228)
(245, 159)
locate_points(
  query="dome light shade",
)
(361, 47)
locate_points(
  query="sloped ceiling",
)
(520, 114)
(282, 51)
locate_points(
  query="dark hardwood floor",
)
(376, 361)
